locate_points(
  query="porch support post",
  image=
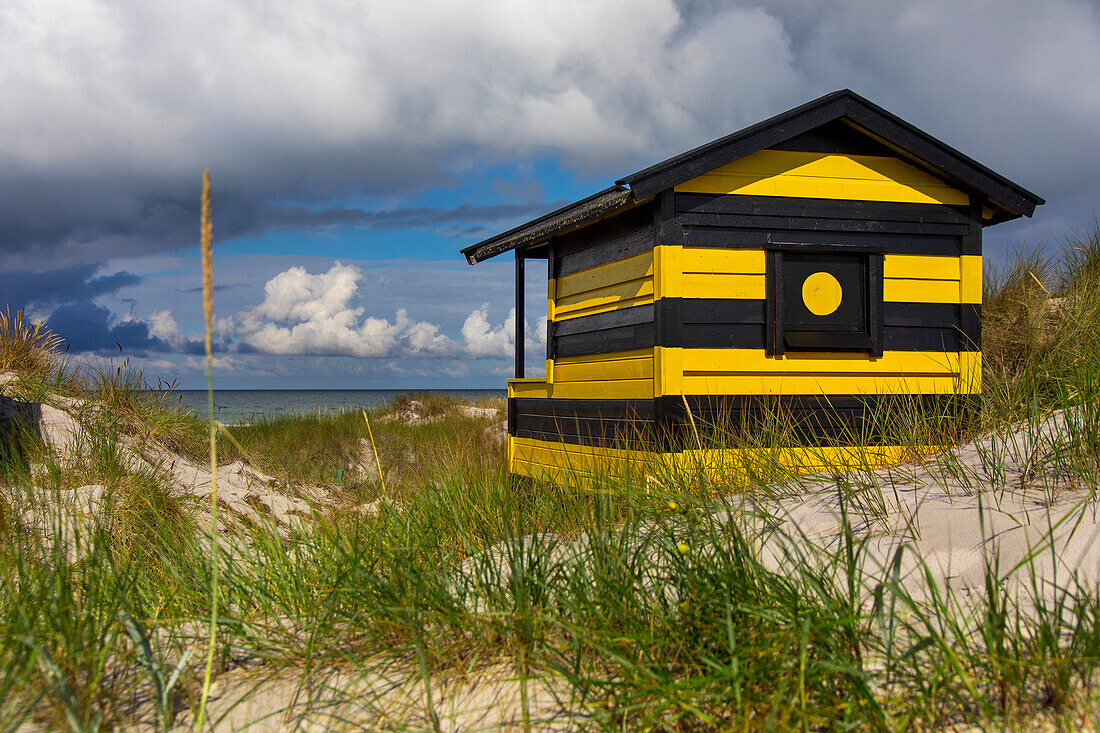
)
(519, 313)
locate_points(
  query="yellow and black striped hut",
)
(821, 262)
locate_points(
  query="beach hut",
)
(818, 264)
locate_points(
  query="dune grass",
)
(623, 597)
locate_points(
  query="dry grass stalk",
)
(206, 241)
(28, 348)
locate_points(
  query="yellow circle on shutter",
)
(821, 293)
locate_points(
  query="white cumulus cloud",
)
(483, 340)
(304, 313)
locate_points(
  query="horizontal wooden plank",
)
(621, 271)
(616, 389)
(700, 285)
(528, 388)
(749, 371)
(615, 298)
(722, 311)
(552, 461)
(756, 362)
(603, 321)
(575, 456)
(721, 336)
(708, 405)
(809, 419)
(824, 175)
(708, 260)
(626, 235)
(884, 383)
(567, 370)
(587, 407)
(603, 306)
(921, 267)
(799, 224)
(604, 341)
(610, 438)
(901, 243)
(901, 290)
(786, 206)
(732, 462)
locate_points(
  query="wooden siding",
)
(605, 241)
(570, 464)
(608, 287)
(586, 422)
(712, 220)
(620, 375)
(661, 424)
(750, 372)
(825, 176)
(710, 272)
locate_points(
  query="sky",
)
(356, 147)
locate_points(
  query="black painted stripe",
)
(663, 424)
(708, 323)
(806, 419)
(607, 241)
(795, 223)
(604, 321)
(743, 238)
(628, 423)
(835, 137)
(819, 211)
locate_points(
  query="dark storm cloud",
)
(66, 285)
(85, 325)
(292, 108)
(92, 328)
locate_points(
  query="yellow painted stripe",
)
(785, 384)
(932, 279)
(605, 307)
(624, 295)
(567, 463)
(897, 290)
(801, 460)
(621, 271)
(825, 175)
(754, 360)
(921, 267)
(711, 260)
(749, 371)
(615, 389)
(734, 287)
(528, 388)
(603, 370)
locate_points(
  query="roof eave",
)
(567, 218)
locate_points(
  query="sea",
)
(241, 406)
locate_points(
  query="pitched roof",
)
(1007, 199)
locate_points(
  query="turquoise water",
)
(239, 406)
